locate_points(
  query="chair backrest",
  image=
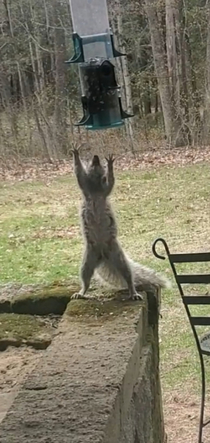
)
(193, 279)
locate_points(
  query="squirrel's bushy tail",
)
(144, 278)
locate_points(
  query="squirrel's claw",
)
(80, 296)
(75, 150)
(77, 296)
(137, 296)
(110, 158)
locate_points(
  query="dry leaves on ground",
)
(36, 168)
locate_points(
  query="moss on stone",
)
(50, 291)
(16, 330)
(101, 309)
(53, 299)
(49, 300)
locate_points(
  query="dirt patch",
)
(181, 414)
(15, 366)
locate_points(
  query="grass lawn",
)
(40, 240)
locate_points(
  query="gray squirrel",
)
(103, 255)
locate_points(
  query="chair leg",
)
(203, 393)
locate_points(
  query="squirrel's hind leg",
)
(89, 263)
(119, 261)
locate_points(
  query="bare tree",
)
(163, 76)
(176, 57)
(123, 70)
(60, 110)
(170, 119)
(206, 114)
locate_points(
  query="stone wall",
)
(97, 382)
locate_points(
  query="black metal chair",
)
(203, 344)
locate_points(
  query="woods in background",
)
(165, 78)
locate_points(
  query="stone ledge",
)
(87, 385)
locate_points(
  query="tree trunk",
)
(194, 95)
(206, 117)
(147, 98)
(7, 9)
(127, 83)
(60, 109)
(171, 125)
(172, 56)
(176, 56)
(123, 71)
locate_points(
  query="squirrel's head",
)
(95, 161)
(96, 175)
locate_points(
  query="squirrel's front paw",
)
(75, 152)
(110, 159)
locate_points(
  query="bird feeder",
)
(93, 49)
